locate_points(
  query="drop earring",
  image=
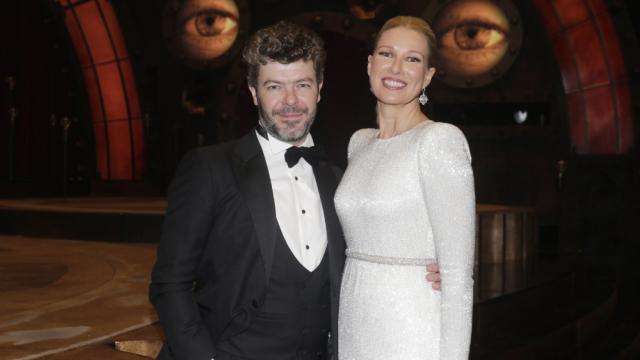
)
(423, 97)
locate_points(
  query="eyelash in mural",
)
(210, 22)
(473, 35)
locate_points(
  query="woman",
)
(406, 199)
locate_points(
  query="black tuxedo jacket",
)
(216, 250)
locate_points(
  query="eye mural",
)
(202, 31)
(477, 40)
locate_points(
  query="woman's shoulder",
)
(363, 134)
(437, 130)
(361, 137)
(438, 137)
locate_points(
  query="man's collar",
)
(276, 146)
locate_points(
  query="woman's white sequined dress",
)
(403, 202)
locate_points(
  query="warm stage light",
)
(110, 85)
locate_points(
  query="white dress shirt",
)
(298, 205)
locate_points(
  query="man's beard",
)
(266, 121)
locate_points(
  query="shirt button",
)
(295, 177)
(304, 211)
(306, 247)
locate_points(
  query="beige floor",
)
(61, 295)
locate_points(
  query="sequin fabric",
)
(407, 197)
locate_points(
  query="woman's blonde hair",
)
(412, 23)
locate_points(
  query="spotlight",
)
(520, 116)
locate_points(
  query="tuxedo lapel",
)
(327, 184)
(327, 181)
(253, 180)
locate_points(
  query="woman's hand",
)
(433, 275)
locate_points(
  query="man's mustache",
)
(289, 110)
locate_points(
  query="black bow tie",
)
(312, 154)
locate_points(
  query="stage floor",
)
(59, 295)
(140, 206)
(97, 205)
(71, 299)
(65, 299)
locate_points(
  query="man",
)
(251, 253)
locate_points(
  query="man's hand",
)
(433, 275)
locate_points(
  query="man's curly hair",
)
(283, 42)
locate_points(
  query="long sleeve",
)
(448, 188)
(184, 234)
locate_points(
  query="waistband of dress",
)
(388, 260)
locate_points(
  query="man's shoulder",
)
(215, 151)
(213, 157)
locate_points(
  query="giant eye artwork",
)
(477, 40)
(201, 31)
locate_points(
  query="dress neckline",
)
(420, 124)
